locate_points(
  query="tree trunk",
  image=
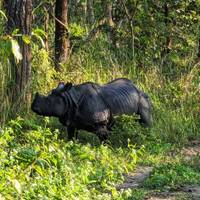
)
(62, 44)
(168, 41)
(107, 8)
(46, 26)
(19, 14)
(90, 12)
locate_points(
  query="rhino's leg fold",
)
(71, 132)
(144, 110)
(102, 132)
(111, 124)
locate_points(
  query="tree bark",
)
(90, 12)
(46, 26)
(168, 41)
(19, 14)
(62, 43)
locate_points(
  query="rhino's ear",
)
(68, 86)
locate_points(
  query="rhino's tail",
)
(145, 110)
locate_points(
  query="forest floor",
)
(137, 179)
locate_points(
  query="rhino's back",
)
(121, 96)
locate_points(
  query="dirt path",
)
(192, 150)
(190, 192)
(136, 179)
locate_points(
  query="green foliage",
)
(76, 30)
(36, 164)
(42, 71)
(172, 175)
(14, 46)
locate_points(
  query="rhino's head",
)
(53, 104)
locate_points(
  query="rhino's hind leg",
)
(144, 110)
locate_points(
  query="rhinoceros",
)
(92, 107)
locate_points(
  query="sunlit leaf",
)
(26, 39)
(16, 50)
(17, 186)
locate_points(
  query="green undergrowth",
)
(35, 164)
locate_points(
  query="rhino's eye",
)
(54, 93)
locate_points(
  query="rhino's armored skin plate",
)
(89, 106)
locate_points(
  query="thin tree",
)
(168, 42)
(62, 44)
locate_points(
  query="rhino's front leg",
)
(111, 123)
(70, 131)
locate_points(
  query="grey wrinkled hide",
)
(121, 96)
(91, 107)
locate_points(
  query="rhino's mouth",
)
(36, 109)
(40, 106)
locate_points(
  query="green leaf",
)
(38, 33)
(26, 39)
(16, 50)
